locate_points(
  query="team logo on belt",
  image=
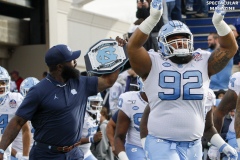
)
(13, 103)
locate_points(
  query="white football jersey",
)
(17, 144)
(114, 92)
(234, 84)
(210, 101)
(132, 104)
(176, 95)
(8, 107)
(90, 127)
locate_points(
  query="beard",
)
(70, 72)
(181, 60)
(212, 46)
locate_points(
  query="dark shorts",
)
(38, 153)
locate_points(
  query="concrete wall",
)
(80, 29)
(28, 60)
(65, 24)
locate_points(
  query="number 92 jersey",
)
(176, 95)
(132, 104)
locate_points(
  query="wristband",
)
(222, 28)
(238, 142)
(143, 142)
(122, 156)
(217, 141)
(18, 155)
(90, 139)
(1, 151)
(25, 158)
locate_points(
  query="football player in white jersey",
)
(90, 126)
(176, 82)
(9, 102)
(227, 104)
(131, 105)
(17, 147)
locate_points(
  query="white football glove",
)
(230, 152)
(213, 153)
(150, 22)
(217, 19)
(19, 156)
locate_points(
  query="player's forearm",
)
(26, 138)
(209, 129)
(119, 145)
(218, 119)
(137, 40)
(110, 134)
(228, 42)
(11, 131)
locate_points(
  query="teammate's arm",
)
(26, 139)
(210, 133)
(209, 129)
(110, 131)
(227, 42)
(138, 56)
(122, 126)
(227, 104)
(11, 132)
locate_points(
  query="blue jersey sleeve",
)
(114, 117)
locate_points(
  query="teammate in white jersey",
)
(17, 147)
(131, 105)
(9, 103)
(176, 82)
(90, 126)
(227, 104)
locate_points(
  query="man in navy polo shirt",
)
(56, 107)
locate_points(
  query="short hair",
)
(14, 72)
(214, 34)
(104, 112)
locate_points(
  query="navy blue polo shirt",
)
(57, 110)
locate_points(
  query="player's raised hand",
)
(222, 28)
(156, 9)
(157, 4)
(219, 13)
(221, 8)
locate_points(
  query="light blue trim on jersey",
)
(134, 152)
(90, 157)
(157, 148)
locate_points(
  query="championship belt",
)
(105, 57)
